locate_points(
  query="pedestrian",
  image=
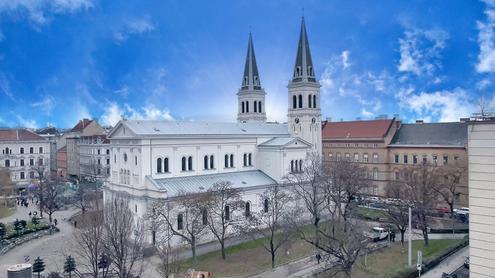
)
(318, 257)
(55, 221)
(75, 224)
(30, 214)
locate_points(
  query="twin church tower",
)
(304, 113)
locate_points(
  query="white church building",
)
(153, 160)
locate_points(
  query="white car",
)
(461, 210)
(377, 234)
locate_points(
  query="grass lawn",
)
(388, 261)
(248, 258)
(6, 211)
(370, 213)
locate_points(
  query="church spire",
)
(251, 78)
(303, 70)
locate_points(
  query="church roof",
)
(283, 141)
(303, 70)
(186, 128)
(201, 183)
(251, 78)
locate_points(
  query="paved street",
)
(449, 265)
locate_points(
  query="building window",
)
(159, 165)
(108, 151)
(314, 101)
(247, 106)
(21, 150)
(180, 221)
(247, 211)
(300, 101)
(250, 160)
(245, 159)
(259, 107)
(31, 150)
(108, 161)
(205, 217)
(348, 157)
(255, 106)
(232, 160)
(135, 160)
(396, 175)
(265, 206)
(425, 159)
(135, 208)
(292, 166)
(365, 157)
(99, 151)
(227, 213)
(22, 162)
(205, 162)
(40, 161)
(375, 173)
(405, 159)
(7, 163)
(294, 102)
(339, 157)
(435, 158)
(396, 158)
(99, 161)
(184, 162)
(31, 162)
(165, 165)
(114, 158)
(226, 162)
(445, 160)
(190, 163)
(356, 157)
(375, 158)
(300, 165)
(212, 162)
(242, 106)
(310, 101)
(31, 175)
(22, 176)
(415, 159)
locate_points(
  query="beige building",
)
(363, 142)
(94, 157)
(481, 142)
(441, 144)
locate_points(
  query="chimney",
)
(419, 121)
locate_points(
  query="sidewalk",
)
(449, 265)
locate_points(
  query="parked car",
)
(466, 262)
(461, 210)
(443, 209)
(377, 234)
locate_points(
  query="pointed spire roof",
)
(303, 70)
(251, 78)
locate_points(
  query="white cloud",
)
(114, 113)
(46, 104)
(345, 58)
(366, 113)
(420, 50)
(5, 86)
(486, 41)
(40, 11)
(27, 123)
(134, 27)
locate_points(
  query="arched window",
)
(300, 165)
(135, 160)
(165, 165)
(226, 161)
(7, 163)
(292, 166)
(314, 101)
(375, 173)
(6, 150)
(242, 104)
(206, 162)
(180, 221)
(189, 163)
(255, 106)
(245, 160)
(184, 161)
(159, 165)
(227, 213)
(300, 101)
(250, 163)
(247, 211)
(231, 160)
(296, 166)
(294, 102)
(265, 206)
(259, 107)
(212, 162)
(310, 101)
(247, 106)
(205, 217)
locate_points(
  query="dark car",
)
(466, 262)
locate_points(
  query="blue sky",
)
(61, 60)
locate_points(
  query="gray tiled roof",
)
(278, 141)
(431, 134)
(191, 184)
(177, 128)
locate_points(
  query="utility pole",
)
(409, 247)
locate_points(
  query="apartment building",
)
(94, 156)
(481, 149)
(363, 142)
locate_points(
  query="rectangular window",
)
(348, 157)
(365, 157)
(99, 162)
(435, 158)
(99, 151)
(22, 162)
(31, 162)
(22, 176)
(425, 159)
(356, 157)
(375, 157)
(31, 150)
(108, 161)
(445, 160)
(108, 151)
(21, 150)
(415, 159)
(405, 159)
(31, 175)
(41, 150)
(396, 158)
(330, 156)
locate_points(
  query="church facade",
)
(156, 160)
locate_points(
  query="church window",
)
(135, 160)
(255, 106)
(190, 163)
(314, 101)
(227, 213)
(231, 160)
(310, 71)
(265, 206)
(41, 150)
(296, 164)
(114, 158)
(245, 80)
(242, 104)
(300, 101)
(247, 211)
(294, 102)
(159, 165)
(256, 80)
(292, 166)
(212, 162)
(22, 150)
(300, 165)
(184, 163)
(226, 161)
(250, 163)
(310, 101)
(31, 150)
(205, 217)
(245, 160)
(165, 165)
(7, 163)
(180, 221)
(247, 106)
(298, 71)
(125, 157)
(205, 162)
(259, 107)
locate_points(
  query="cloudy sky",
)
(61, 60)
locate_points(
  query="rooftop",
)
(356, 129)
(431, 134)
(19, 134)
(201, 183)
(81, 125)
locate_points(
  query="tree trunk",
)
(272, 251)
(425, 236)
(222, 244)
(193, 250)
(402, 233)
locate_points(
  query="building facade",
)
(94, 157)
(24, 153)
(62, 163)
(363, 142)
(157, 160)
(481, 149)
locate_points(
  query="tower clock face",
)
(296, 120)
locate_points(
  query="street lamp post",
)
(409, 251)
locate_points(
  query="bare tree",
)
(271, 222)
(7, 187)
(40, 171)
(89, 241)
(450, 177)
(222, 197)
(169, 259)
(51, 193)
(186, 216)
(123, 238)
(398, 212)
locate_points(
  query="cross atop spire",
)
(251, 78)
(303, 70)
